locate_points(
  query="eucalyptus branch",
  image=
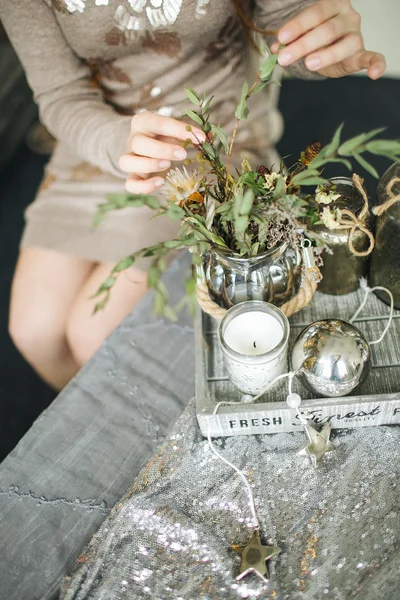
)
(354, 148)
(263, 78)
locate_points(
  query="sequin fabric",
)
(171, 535)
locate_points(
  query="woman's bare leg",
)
(86, 331)
(45, 287)
(51, 315)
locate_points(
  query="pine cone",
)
(310, 153)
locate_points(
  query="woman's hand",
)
(328, 35)
(153, 145)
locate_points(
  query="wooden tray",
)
(376, 402)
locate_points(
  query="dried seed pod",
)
(261, 170)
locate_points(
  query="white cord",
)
(290, 375)
(256, 523)
(368, 290)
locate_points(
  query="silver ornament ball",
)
(333, 357)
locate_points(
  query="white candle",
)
(254, 339)
(253, 333)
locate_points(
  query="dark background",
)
(311, 110)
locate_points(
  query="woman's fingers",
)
(154, 143)
(149, 123)
(146, 146)
(328, 36)
(320, 37)
(350, 45)
(131, 163)
(373, 62)
(136, 185)
(310, 18)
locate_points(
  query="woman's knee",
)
(83, 337)
(43, 290)
(33, 331)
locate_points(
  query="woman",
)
(92, 65)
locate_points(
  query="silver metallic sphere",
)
(333, 357)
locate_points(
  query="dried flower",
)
(325, 196)
(182, 186)
(270, 180)
(331, 218)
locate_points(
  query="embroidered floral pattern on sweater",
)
(228, 46)
(106, 69)
(162, 42)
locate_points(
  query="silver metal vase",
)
(273, 276)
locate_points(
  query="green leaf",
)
(305, 174)
(123, 264)
(221, 135)
(332, 146)
(314, 181)
(222, 208)
(193, 96)
(169, 313)
(257, 88)
(279, 186)
(207, 127)
(175, 212)
(209, 150)
(267, 66)
(207, 105)
(347, 148)
(101, 304)
(98, 218)
(172, 244)
(246, 203)
(367, 166)
(194, 116)
(242, 111)
(153, 276)
(119, 201)
(241, 224)
(384, 147)
(106, 285)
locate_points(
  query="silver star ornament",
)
(254, 555)
(319, 442)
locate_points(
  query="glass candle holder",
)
(254, 338)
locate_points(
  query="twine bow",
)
(392, 198)
(354, 224)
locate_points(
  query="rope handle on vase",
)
(312, 277)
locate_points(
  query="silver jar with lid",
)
(385, 259)
(342, 269)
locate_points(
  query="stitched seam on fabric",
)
(88, 504)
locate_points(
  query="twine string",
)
(392, 198)
(349, 221)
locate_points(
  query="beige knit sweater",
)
(93, 63)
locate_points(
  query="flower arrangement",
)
(247, 212)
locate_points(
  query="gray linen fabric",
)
(79, 457)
